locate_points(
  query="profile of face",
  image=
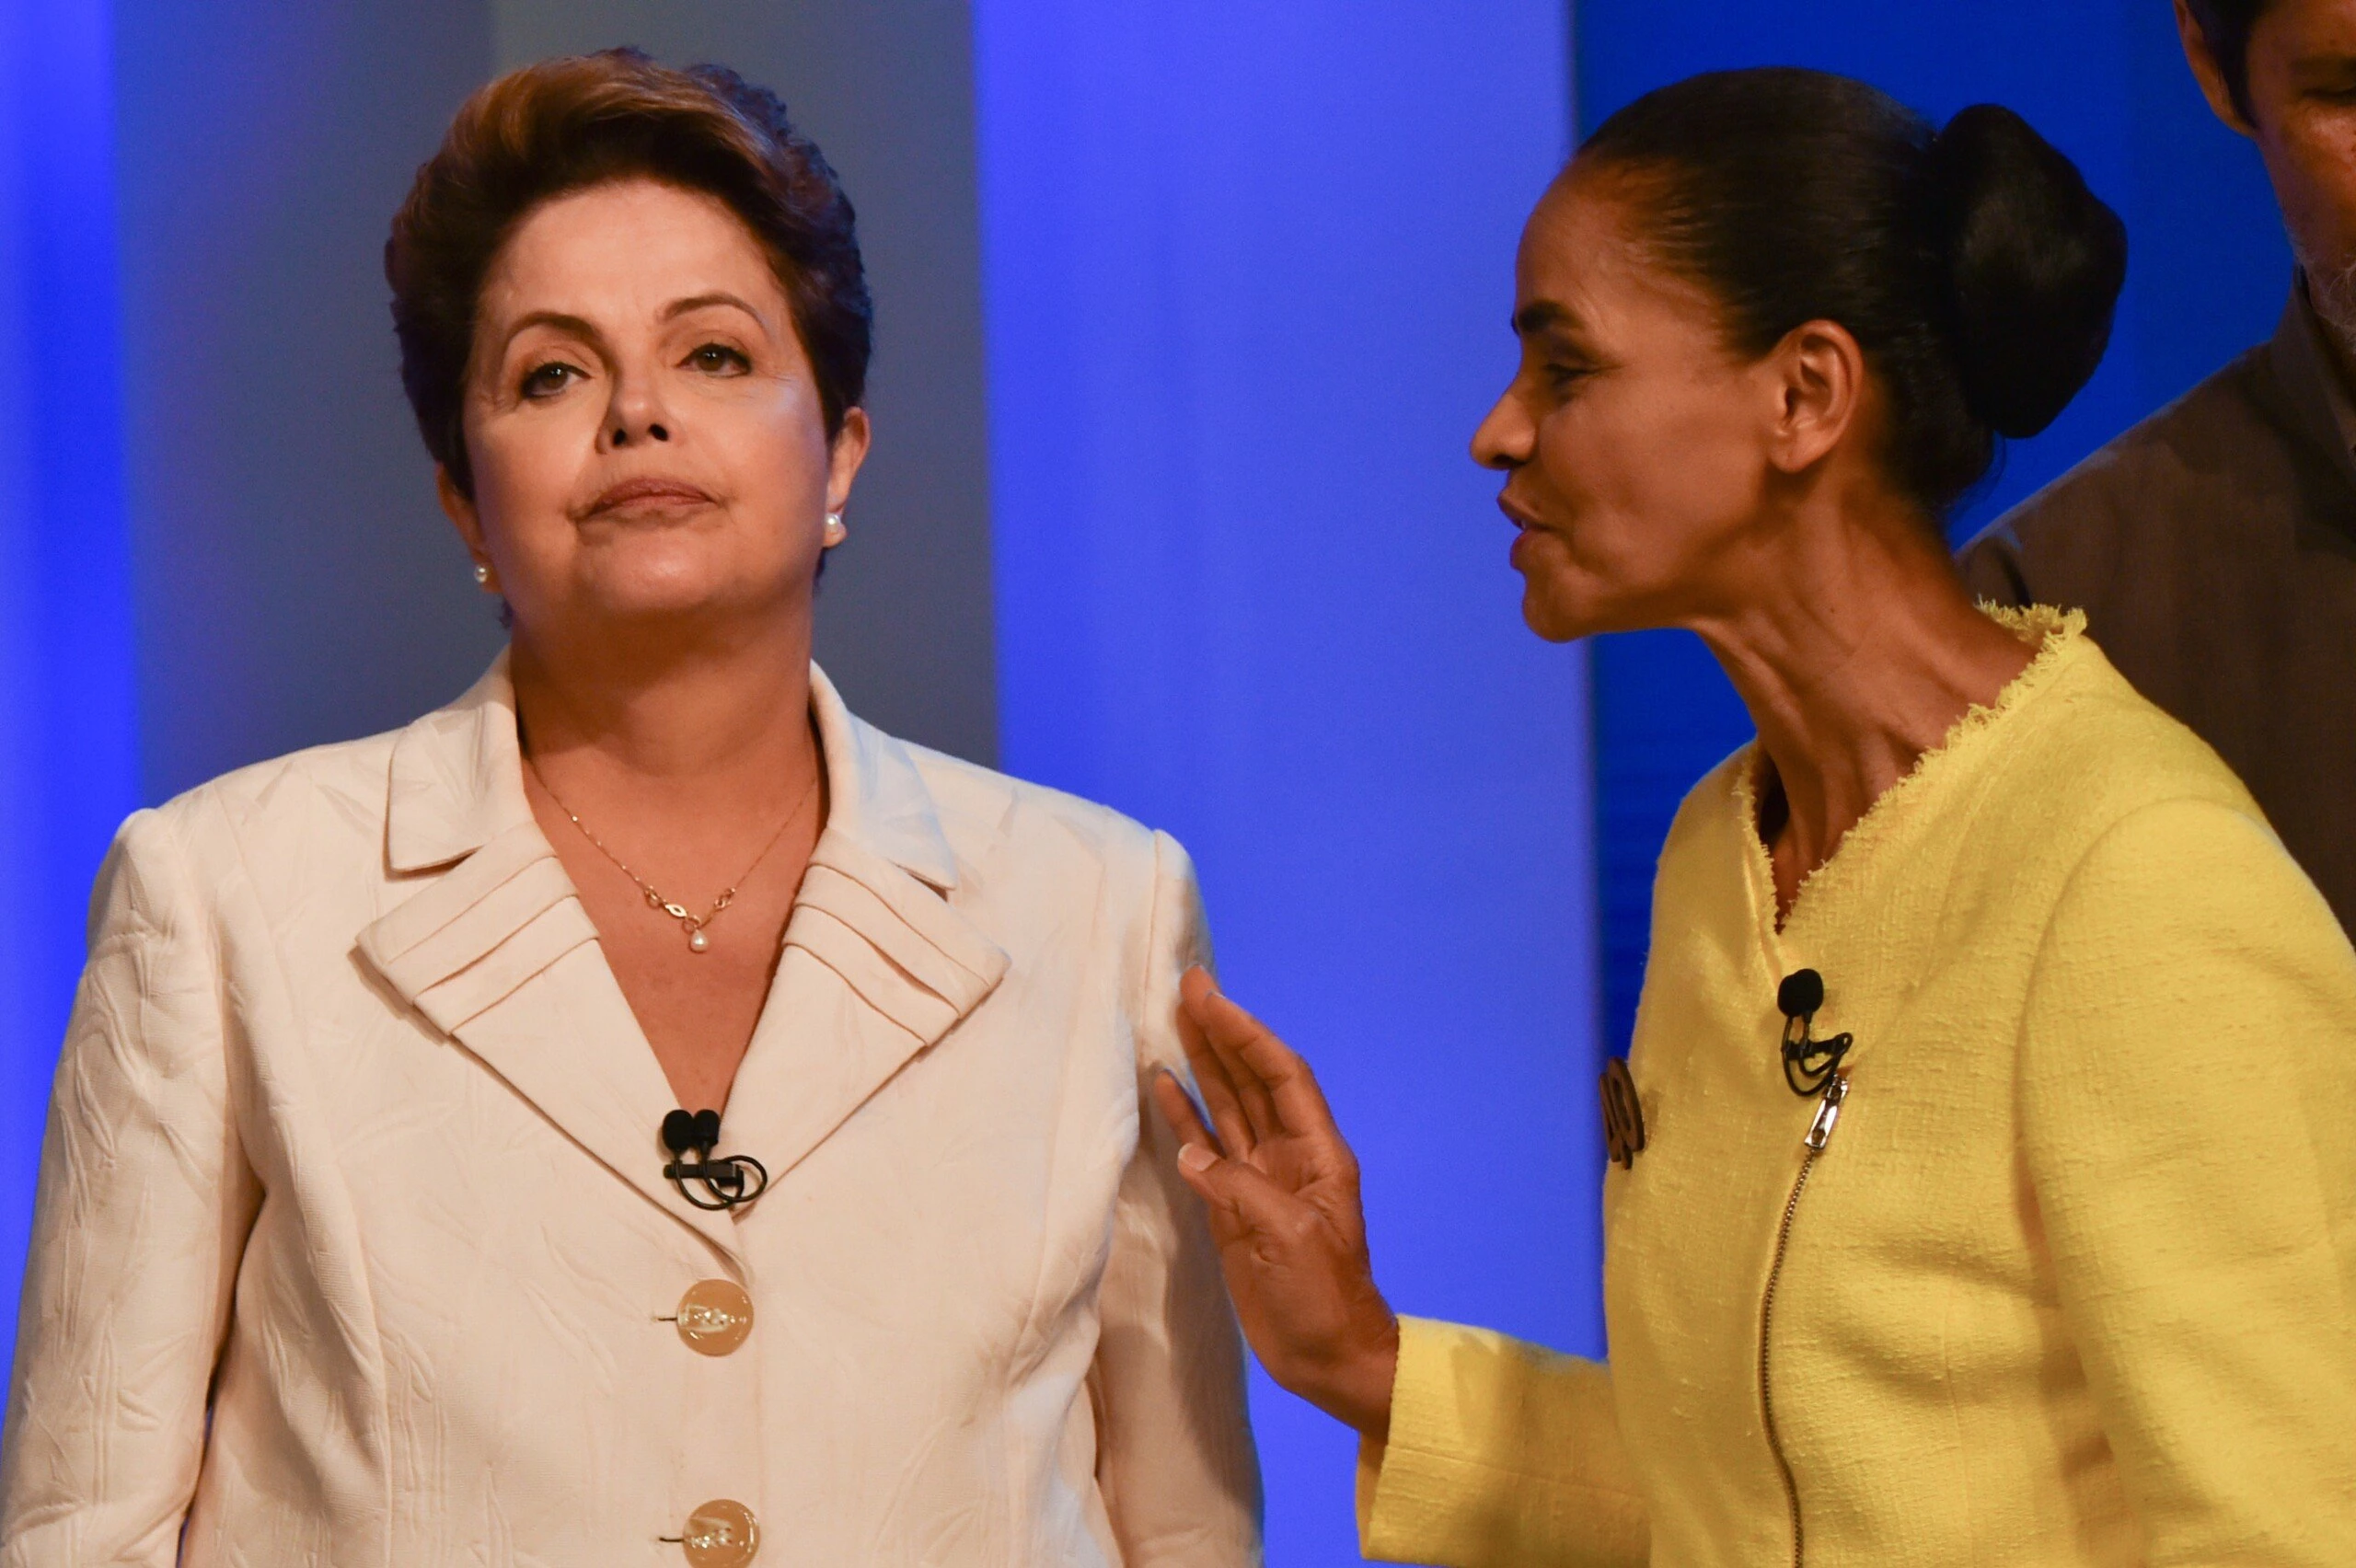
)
(2302, 113)
(646, 436)
(1641, 453)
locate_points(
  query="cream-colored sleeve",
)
(2188, 1107)
(144, 1207)
(1501, 1455)
(1176, 1464)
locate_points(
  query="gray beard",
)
(2331, 290)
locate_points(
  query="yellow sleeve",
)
(1501, 1454)
(2189, 1121)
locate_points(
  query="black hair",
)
(1971, 264)
(2226, 26)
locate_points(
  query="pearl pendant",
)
(699, 942)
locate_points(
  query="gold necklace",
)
(691, 923)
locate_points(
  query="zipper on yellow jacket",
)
(1820, 1133)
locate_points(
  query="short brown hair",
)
(564, 125)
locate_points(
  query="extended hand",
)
(1283, 1192)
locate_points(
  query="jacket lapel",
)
(496, 950)
(879, 963)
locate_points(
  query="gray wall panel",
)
(294, 581)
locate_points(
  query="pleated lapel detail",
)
(879, 965)
(877, 969)
(497, 951)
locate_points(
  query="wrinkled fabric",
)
(353, 1244)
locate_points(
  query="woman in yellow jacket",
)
(1986, 1169)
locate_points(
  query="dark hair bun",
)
(2034, 260)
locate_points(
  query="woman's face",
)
(646, 436)
(1635, 445)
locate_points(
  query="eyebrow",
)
(580, 326)
(563, 322)
(679, 308)
(1544, 316)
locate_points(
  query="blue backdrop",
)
(2207, 276)
(68, 741)
(1247, 274)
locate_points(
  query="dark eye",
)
(719, 359)
(1566, 377)
(547, 380)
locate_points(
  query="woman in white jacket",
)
(361, 1237)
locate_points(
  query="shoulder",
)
(318, 796)
(2089, 753)
(323, 802)
(276, 825)
(1043, 869)
(997, 822)
(2093, 735)
(2220, 439)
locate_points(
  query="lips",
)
(649, 494)
(1520, 516)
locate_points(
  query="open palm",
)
(1282, 1189)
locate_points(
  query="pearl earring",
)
(483, 575)
(835, 531)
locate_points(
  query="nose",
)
(1506, 437)
(653, 430)
(635, 416)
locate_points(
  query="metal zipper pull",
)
(1828, 1111)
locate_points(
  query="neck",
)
(1856, 648)
(719, 725)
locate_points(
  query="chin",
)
(1547, 612)
(660, 584)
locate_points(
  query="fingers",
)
(1212, 1082)
(1177, 1108)
(1275, 1087)
(1244, 1204)
(1214, 1017)
(1288, 1083)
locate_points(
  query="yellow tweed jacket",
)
(2070, 1280)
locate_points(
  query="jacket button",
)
(720, 1534)
(715, 1316)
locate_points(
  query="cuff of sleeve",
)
(1498, 1453)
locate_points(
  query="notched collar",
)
(458, 782)
(495, 947)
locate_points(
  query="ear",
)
(844, 457)
(1817, 377)
(2208, 72)
(461, 513)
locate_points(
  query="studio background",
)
(1186, 313)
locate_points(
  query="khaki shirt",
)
(2213, 549)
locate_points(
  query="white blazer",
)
(354, 1245)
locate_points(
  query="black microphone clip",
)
(727, 1181)
(1809, 1064)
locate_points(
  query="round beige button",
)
(720, 1534)
(715, 1316)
